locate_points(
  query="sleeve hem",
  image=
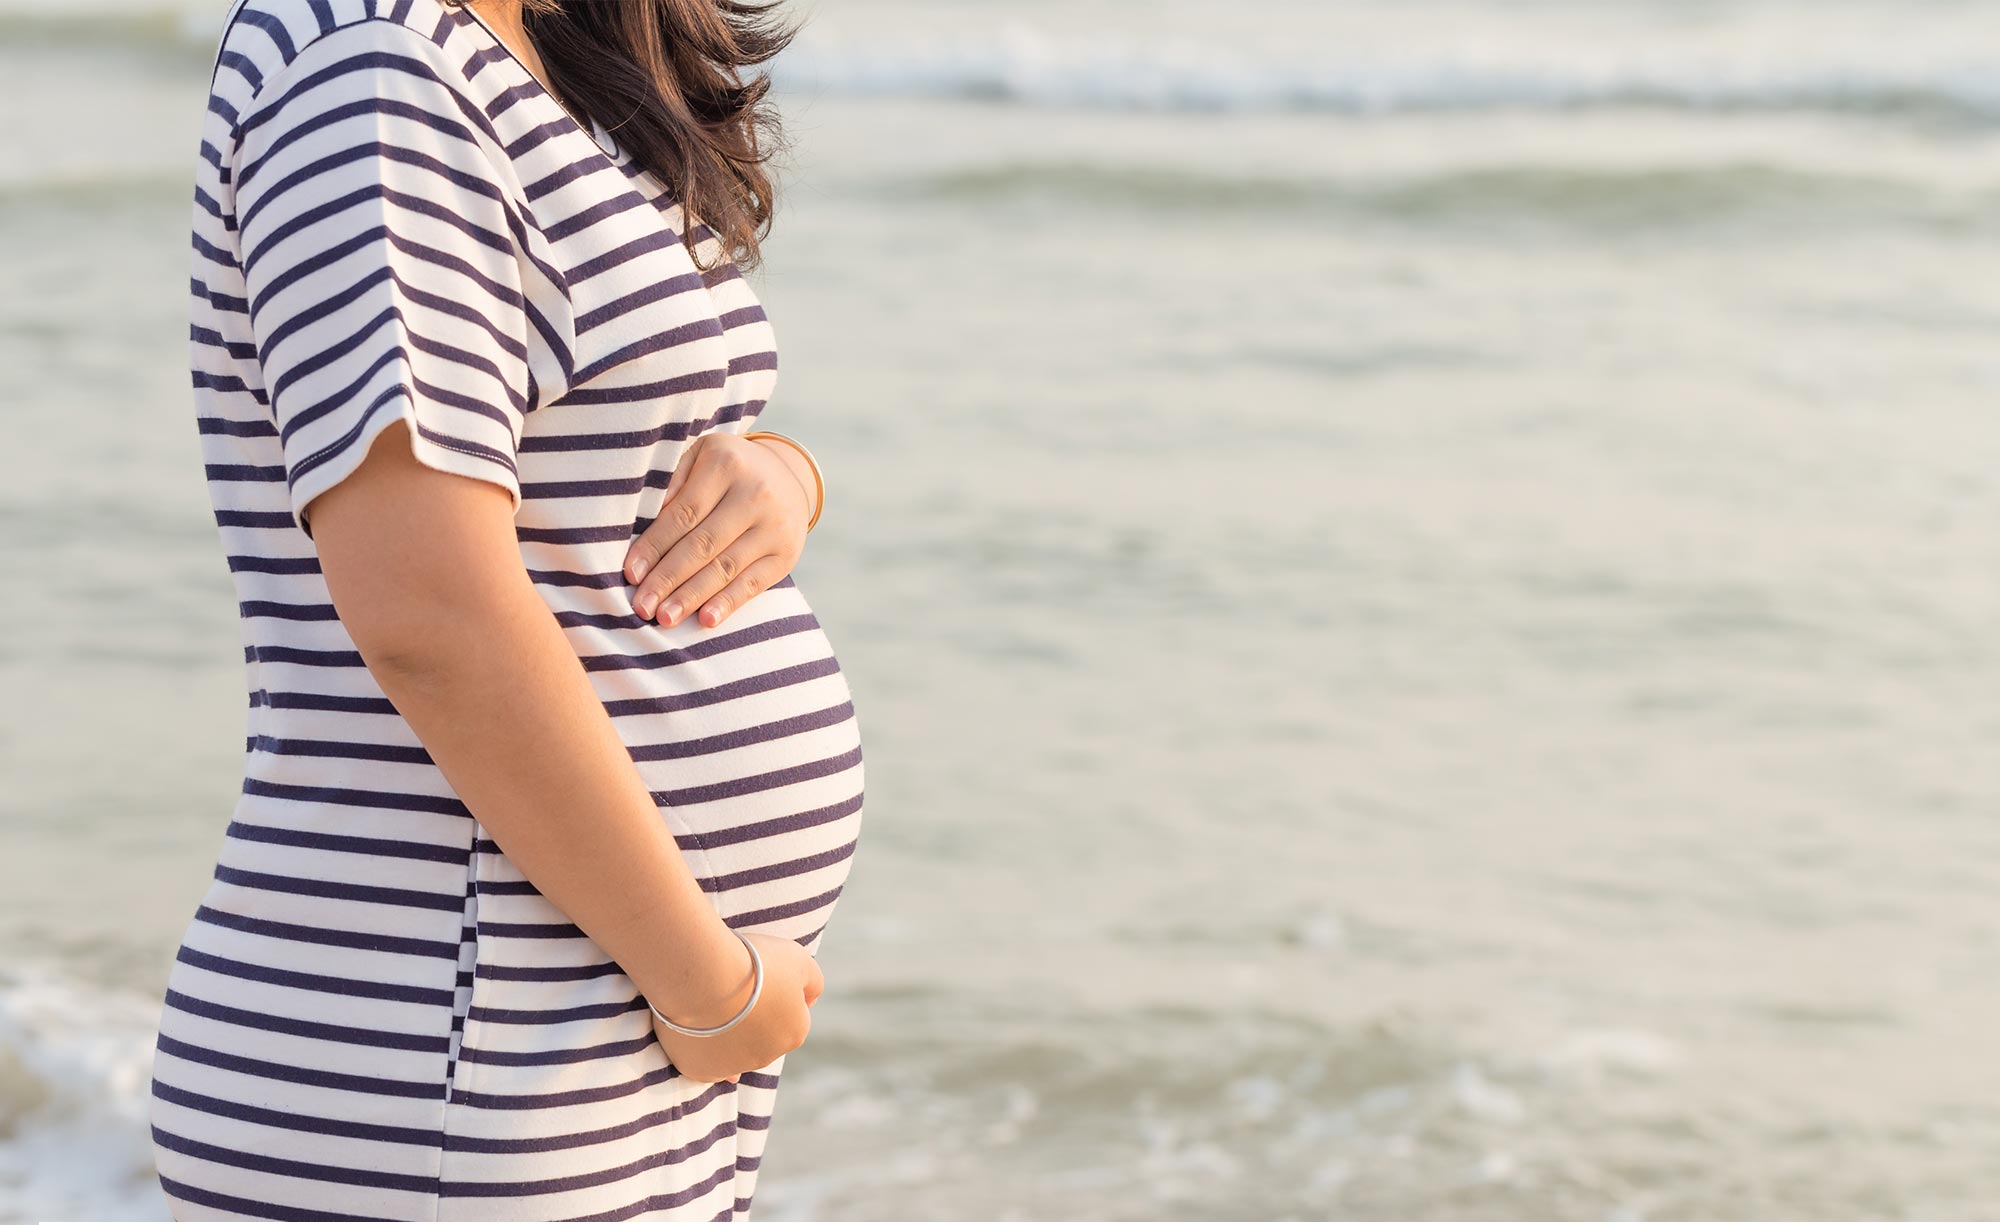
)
(428, 451)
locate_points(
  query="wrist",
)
(817, 484)
(717, 978)
(795, 464)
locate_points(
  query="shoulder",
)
(269, 46)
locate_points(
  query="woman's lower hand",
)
(733, 523)
(777, 1026)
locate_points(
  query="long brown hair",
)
(665, 77)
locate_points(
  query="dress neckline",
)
(599, 135)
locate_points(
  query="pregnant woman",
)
(551, 779)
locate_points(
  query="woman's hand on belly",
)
(733, 523)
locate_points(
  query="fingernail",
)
(638, 568)
(673, 612)
(644, 604)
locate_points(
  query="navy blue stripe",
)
(326, 984)
(254, 1209)
(273, 29)
(319, 1172)
(292, 1120)
(302, 933)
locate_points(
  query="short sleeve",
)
(382, 263)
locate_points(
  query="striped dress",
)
(372, 1013)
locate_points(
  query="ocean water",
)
(1421, 575)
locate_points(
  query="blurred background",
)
(1418, 575)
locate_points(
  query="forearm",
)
(502, 704)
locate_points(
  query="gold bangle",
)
(819, 481)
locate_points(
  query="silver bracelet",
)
(757, 965)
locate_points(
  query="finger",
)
(692, 490)
(735, 1078)
(646, 549)
(729, 562)
(815, 981)
(755, 577)
(724, 521)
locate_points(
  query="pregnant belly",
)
(746, 735)
(349, 862)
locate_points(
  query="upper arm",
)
(383, 266)
(415, 560)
